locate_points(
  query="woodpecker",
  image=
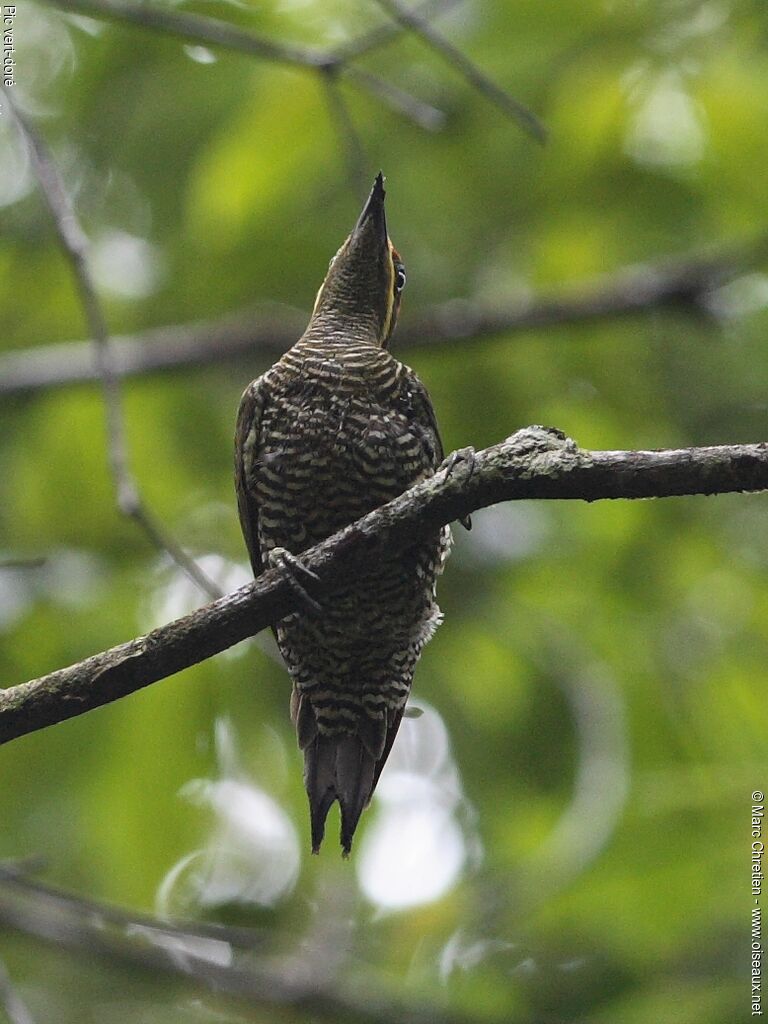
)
(334, 429)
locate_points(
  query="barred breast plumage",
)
(334, 429)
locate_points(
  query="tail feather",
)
(342, 766)
(355, 768)
(337, 767)
(320, 782)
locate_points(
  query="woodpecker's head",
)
(361, 291)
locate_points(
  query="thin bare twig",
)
(413, 21)
(15, 1009)
(683, 282)
(196, 29)
(534, 463)
(352, 144)
(74, 246)
(423, 114)
(220, 34)
(379, 36)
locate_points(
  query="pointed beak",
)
(372, 215)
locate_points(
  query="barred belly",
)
(328, 456)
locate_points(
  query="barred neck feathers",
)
(341, 355)
(329, 327)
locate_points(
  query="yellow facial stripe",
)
(317, 298)
(320, 289)
(387, 326)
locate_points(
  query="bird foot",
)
(294, 571)
(461, 455)
(465, 456)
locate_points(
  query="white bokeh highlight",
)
(416, 848)
(252, 855)
(667, 128)
(126, 265)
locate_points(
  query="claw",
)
(292, 568)
(467, 456)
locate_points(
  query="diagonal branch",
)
(533, 463)
(193, 28)
(682, 282)
(223, 35)
(74, 245)
(416, 23)
(18, 875)
(430, 118)
(351, 143)
(11, 1002)
(379, 36)
(210, 961)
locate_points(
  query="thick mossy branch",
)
(536, 462)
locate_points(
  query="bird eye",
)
(399, 279)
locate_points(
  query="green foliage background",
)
(601, 670)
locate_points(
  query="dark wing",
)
(423, 417)
(247, 434)
(422, 405)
